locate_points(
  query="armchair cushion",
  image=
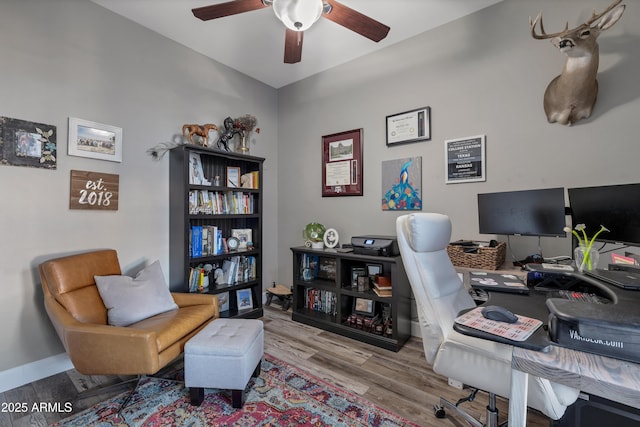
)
(130, 300)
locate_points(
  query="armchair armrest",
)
(97, 349)
(184, 300)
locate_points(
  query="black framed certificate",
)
(409, 126)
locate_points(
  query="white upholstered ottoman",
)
(224, 355)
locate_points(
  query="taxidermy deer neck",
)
(570, 97)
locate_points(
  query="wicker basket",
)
(486, 258)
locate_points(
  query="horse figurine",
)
(190, 130)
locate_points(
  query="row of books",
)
(206, 240)
(220, 202)
(234, 270)
(321, 300)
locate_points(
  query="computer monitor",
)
(526, 213)
(617, 207)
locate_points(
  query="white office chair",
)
(440, 295)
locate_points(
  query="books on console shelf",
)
(321, 300)
(382, 285)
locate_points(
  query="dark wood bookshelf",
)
(340, 303)
(181, 220)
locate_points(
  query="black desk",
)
(613, 379)
(532, 305)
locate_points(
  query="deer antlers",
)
(587, 24)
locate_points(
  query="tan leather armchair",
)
(73, 303)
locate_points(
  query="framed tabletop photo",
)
(409, 126)
(342, 164)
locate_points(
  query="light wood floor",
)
(401, 382)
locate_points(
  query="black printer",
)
(375, 245)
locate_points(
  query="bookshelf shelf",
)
(218, 210)
(323, 296)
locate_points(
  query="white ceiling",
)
(253, 42)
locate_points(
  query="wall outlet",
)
(455, 383)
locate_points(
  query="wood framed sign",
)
(342, 164)
(94, 191)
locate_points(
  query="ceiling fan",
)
(298, 16)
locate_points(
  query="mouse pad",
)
(518, 331)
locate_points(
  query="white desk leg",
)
(518, 398)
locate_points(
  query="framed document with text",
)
(342, 164)
(465, 159)
(410, 126)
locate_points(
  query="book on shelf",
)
(250, 180)
(196, 241)
(382, 285)
(196, 175)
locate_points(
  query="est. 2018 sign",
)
(94, 190)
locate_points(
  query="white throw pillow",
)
(129, 300)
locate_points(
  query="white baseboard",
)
(415, 329)
(24, 374)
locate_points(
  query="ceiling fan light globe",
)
(298, 15)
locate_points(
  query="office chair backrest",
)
(70, 281)
(439, 292)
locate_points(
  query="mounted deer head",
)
(571, 96)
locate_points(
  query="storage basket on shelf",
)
(485, 257)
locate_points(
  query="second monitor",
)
(526, 213)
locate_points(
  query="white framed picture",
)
(244, 236)
(465, 160)
(94, 140)
(244, 299)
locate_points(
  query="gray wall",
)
(482, 74)
(73, 58)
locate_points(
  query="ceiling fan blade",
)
(293, 46)
(356, 21)
(226, 9)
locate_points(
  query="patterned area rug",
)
(281, 396)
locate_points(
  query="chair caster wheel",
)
(439, 411)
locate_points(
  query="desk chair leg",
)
(492, 410)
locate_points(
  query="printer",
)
(375, 245)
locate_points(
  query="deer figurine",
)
(570, 97)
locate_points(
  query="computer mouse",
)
(501, 314)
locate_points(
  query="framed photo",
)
(363, 306)
(233, 176)
(355, 273)
(409, 126)
(373, 269)
(327, 268)
(223, 301)
(465, 159)
(342, 164)
(94, 140)
(25, 143)
(244, 236)
(244, 299)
